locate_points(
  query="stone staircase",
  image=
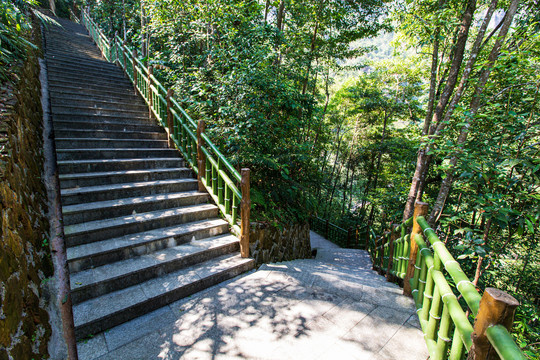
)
(139, 234)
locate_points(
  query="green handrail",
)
(444, 322)
(336, 234)
(221, 178)
(503, 343)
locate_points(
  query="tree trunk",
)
(310, 57)
(143, 28)
(473, 109)
(479, 271)
(346, 185)
(422, 162)
(266, 8)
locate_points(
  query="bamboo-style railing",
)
(214, 172)
(444, 295)
(352, 237)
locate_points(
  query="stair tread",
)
(91, 277)
(102, 205)
(114, 173)
(112, 187)
(110, 160)
(138, 239)
(142, 141)
(111, 303)
(64, 150)
(88, 227)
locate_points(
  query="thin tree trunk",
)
(124, 19)
(346, 185)
(329, 202)
(310, 57)
(479, 271)
(266, 8)
(422, 163)
(351, 190)
(473, 109)
(279, 25)
(143, 29)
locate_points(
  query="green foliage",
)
(14, 31)
(254, 83)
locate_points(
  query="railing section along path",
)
(445, 298)
(331, 307)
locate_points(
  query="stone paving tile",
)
(92, 348)
(139, 327)
(406, 344)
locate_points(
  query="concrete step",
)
(80, 110)
(91, 103)
(79, 213)
(97, 143)
(103, 252)
(104, 312)
(85, 233)
(117, 177)
(106, 153)
(141, 119)
(109, 134)
(94, 100)
(84, 58)
(107, 125)
(90, 166)
(91, 79)
(68, 64)
(67, 89)
(64, 69)
(102, 87)
(84, 51)
(123, 190)
(91, 283)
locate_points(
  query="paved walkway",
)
(331, 307)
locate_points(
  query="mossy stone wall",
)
(269, 243)
(25, 263)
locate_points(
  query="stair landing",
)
(331, 307)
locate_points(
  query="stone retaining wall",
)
(269, 243)
(25, 263)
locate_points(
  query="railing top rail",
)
(503, 343)
(463, 284)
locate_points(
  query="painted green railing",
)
(351, 238)
(437, 283)
(214, 172)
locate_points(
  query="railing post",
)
(170, 128)
(374, 254)
(393, 236)
(201, 162)
(124, 56)
(327, 225)
(420, 209)
(245, 208)
(496, 308)
(149, 90)
(381, 260)
(368, 236)
(135, 78)
(114, 48)
(356, 236)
